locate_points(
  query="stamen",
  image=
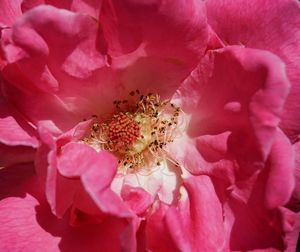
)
(137, 132)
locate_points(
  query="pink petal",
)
(159, 52)
(291, 224)
(17, 140)
(169, 25)
(18, 212)
(137, 199)
(162, 182)
(9, 11)
(213, 148)
(242, 91)
(10, 155)
(27, 224)
(198, 223)
(107, 201)
(86, 159)
(60, 191)
(237, 89)
(252, 230)
(268, 26)
(35, 229)
(158, 236)
(91, 7)
(281, 179)
(14, 130)
(184, 150)
(12, 134)
(20, 229)
(75, 173)
(252, 211)
(31, 33)
(39, 64)
(13, 177)
(195, 225)
(297, 171)
(200, 158)
(96, 171)
(251, 227)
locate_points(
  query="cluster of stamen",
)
(123, 131)
(138, 131)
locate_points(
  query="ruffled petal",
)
(44, 74)
(297, 172)
(76, 175)
(20, 227)
(12, 134)
(162, 181)
(9, 11)
(136, 198)
(157, 46)
(96, 171)
(14, 129)
(240, 90)
(10, 155)
(281, 179)
(157, 233)
(195, 225)
(90, 7)
(28, 224)
(251, 226)
(201, 212)
(17, 137)
(267, 26)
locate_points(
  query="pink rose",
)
(149, 125)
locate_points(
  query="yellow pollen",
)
(137, 132)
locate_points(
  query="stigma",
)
(137, 132)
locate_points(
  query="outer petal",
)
(91, 7)
(47, 72)
(27, 219)
(204, 219)
(251, 226)
(291, 223)
(297, 173)
(237, 89)
(12, 134)
(18, 215)
(157, 233)
(270, 26)
(14, 129)
(10, 155)
(163, 26)
(31, 36)
(17, 141)
(76, 175)
(158, 45)
(281, 180)
(237, 92)
(9, 11)
(96, 170)
(197, 224)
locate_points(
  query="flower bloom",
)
(149, 125)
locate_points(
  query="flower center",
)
(137, 132)
(123, 131)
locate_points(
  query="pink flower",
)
(149, 126)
